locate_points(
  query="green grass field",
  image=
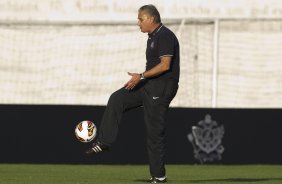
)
(125, 174)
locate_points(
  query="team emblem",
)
(206, 139)
(152, 45)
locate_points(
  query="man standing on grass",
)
(153, 89)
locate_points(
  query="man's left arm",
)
(160, 68)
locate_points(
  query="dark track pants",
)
(155, 96)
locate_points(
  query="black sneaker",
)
(97, 147)
(157, 180)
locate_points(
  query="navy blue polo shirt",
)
(163, 42)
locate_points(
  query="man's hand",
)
(135, 79)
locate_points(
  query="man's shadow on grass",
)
(227, 180)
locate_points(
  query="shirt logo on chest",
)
(152, 45)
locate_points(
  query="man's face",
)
(145, 22)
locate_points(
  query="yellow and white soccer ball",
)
(85, 131)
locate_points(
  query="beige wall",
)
(116, 10)
(61, 64)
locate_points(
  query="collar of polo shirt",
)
(155, 31)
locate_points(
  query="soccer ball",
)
(85, 131)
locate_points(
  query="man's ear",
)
(152, 19)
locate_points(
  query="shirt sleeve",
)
(166, 45)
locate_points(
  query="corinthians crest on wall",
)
(206, 139)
